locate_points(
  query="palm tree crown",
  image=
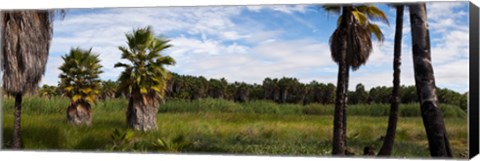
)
(146, 75)
(359, 42)
(79, 79)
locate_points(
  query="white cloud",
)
(104, 30)
(211, 44)
(280, 8)
(273, 59)
(444, 16)
(439, 10)
(451, 46)
(52, 73)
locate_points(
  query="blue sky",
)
(249, 43)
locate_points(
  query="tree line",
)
(283, 90)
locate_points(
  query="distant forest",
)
(280, 90)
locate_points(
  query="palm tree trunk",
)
(339, 121)
(338, 124)
(17, 141)
(345, 104)
(387, 147)
(425, 83)
(142, 115)
(79, 113)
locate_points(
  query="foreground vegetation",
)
(219, 126)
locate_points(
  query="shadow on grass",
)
(92, 143)
(109, 124)
(48, 138)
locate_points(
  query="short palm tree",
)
(108, 89)
(80, 82)
(145, 78)
(350, 46)
(47, 91)
(25, 41)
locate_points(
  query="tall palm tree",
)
(145, 78)
(425, 83)
(80, 82)
(387, 145)
(350, 46)
(26, 37)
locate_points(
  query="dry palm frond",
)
(25, 46)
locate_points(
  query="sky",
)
(249, 43)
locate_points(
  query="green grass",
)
(218, 126)
(58, 105)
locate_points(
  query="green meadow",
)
(225, 127)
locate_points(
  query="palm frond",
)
(79, 79)
(332, 8)
(147, 71)
(376, 31)
(373, 13)
(360, 17)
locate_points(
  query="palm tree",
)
(242, 92)
(108, 89)
(199, 88)
(47, 91)
(350, 46)
(145, 78)
(387, 145)
(217, 88)
(425, 83)
(80, 82)
(26, 37)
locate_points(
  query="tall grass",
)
(38, 105)
(269, 107)
(58, 105)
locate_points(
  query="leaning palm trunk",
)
(387, 146)
(425, 83)
(25, 41)
(79, 113)
(142, 112)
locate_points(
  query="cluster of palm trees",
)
(26, 38)
(283, 90)
(351, 44)
(144, 80)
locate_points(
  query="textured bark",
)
(339, 121)
(425, 83)
(339, 138)
(25, 44)
(17, 140)
(142, 115)
(25, 47)
(387, 147)
(79, 114)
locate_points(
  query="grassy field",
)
(217, 126)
